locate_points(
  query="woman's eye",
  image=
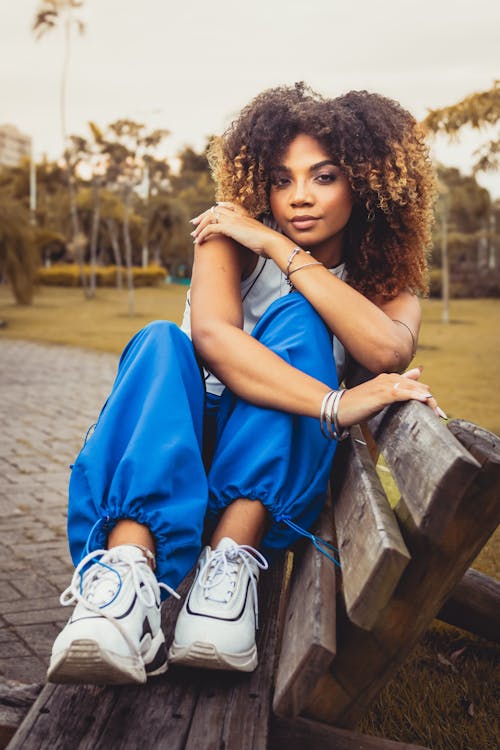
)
(278, 182)
(326, 178)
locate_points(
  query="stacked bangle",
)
(328, 418)
(289, 261)
(295, 250)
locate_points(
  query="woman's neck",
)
(328, 254)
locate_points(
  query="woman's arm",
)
(242, 363)
(382, 337)
(252, 371)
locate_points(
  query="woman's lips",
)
(303, 222)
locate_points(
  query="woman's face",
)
(311, 199)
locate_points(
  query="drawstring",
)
(100, 526)
(321, 544)
(87, 434)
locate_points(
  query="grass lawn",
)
(62, 315)
(444, 696)
(461, 359)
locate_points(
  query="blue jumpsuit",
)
(145, 459)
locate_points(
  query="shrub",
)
(463, 285)
(69, 275)
(435, 283)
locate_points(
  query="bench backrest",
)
(398, 567)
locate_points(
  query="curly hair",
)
(380, 148)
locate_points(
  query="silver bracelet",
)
(305, 265)
(328, 418)
(295, 251)
(413, 342)
(323, 421)
(340, 434)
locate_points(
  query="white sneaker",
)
(216, 626)
(114, 635)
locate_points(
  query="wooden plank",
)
(366, 660)
(233, 710)
(308, 644)
(102, 717)
(431, 470)
(16, 700)
(480, 443)
(474, 606)
(186, 708)
(373, 554)
(298, 734)
(91, 717)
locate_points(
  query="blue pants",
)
(144, 461)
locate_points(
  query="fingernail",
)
(193, 234)
(440, 412)
(427, 395)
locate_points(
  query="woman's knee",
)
(154, 337)
(292, 315)
(293, 329)
(160, 329)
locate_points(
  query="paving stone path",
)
(49, 395)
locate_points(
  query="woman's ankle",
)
(127, 531)
(244, 521)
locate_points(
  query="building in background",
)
(14, 145)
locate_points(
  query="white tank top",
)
(265, 284)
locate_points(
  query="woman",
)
(329, 200)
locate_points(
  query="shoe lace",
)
(222, 567)
(98, 586)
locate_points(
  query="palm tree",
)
(18, 257)
(479, 110)
(130, 152)
(49, 13)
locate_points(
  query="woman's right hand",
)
(365, 400)
(234, 222)
(226, 204)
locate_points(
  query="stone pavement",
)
(49, 395)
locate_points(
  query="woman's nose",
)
(300, 194)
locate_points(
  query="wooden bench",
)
(325, 649)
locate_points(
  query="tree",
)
(18, 257)
(194, 187)
(130, 160)
(193, 184)
(479, 110)
(47, 17)
(168, 220)
(463, 209)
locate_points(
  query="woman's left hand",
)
(362, 401)
(234, 222)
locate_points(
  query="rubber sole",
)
(206, 656)
(84, 661)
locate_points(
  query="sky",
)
(190, 65)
